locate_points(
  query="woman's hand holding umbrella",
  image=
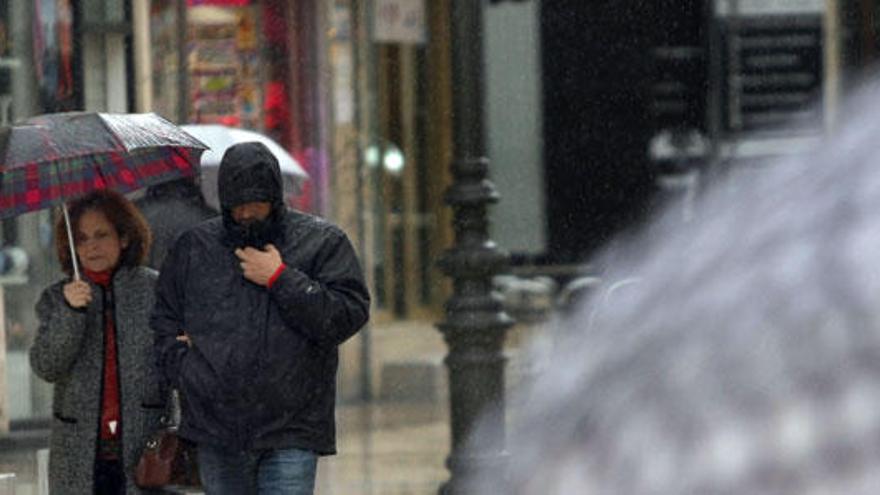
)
(78, 294)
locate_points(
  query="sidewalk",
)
(390, 449)
(396, 444)
(407, 360)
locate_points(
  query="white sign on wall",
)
(399, 21)
(725, 8)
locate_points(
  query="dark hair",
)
(122, 213)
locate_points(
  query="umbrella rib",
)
(112, 132)
(47, 142)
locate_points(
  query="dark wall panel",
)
(596, 64)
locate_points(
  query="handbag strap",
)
(171, 417)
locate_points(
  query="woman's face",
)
(98, 245)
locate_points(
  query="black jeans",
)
(109, 477)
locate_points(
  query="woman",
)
(95, 346)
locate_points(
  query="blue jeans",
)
(263, 472)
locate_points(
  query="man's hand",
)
(259, 266)
(78, 294)
(185, 339)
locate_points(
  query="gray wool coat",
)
(68, 352)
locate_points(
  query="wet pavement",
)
(387, 449)
(386, 446)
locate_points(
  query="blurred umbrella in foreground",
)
(220, 137)
(50, 159)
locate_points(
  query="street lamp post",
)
(475, 322)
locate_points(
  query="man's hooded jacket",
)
(261, 368)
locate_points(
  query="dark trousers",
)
(109, 477)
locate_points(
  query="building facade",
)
(664, 93)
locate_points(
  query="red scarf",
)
(110, 410)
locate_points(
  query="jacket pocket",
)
(196, 378)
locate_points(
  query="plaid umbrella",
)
(53, 158)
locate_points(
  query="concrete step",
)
(413, 381)
(426, 379)
(7, 484)
(181, 490)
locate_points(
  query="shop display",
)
(224, 62)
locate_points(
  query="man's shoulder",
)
(302, 223)
(204, 236)
(205, 230)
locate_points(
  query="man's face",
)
(254, 211)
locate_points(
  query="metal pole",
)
(361, 36)
(69, 229)
(475, 322)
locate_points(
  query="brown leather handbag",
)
(156, 465)
(167, 459)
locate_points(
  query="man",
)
(250, 310)
(171, 208)
(745, 359)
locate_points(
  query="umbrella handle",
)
(70, 242)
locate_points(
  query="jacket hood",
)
(249, 172)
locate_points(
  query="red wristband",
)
(275, 275)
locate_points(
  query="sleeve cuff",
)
(275, 275)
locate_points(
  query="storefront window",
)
(165, 41)
(224, 65)
(53, 55)
(214, 76)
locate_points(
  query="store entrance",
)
(402, 227)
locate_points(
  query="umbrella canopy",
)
(53, 158)
(220, 137)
